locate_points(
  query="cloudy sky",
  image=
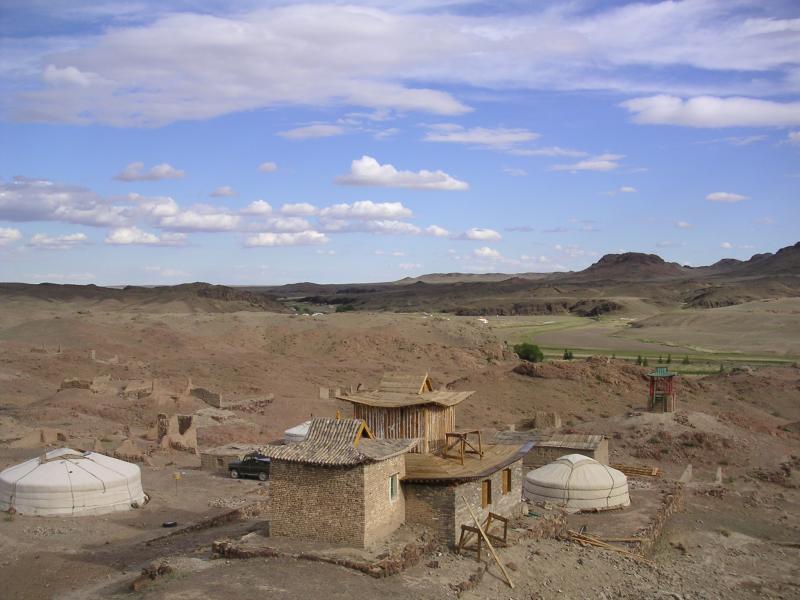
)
(270, 142)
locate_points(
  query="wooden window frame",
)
(486, 493)
(506, 477)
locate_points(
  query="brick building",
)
(355, 480)
(339, 485)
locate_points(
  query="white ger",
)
(66, 482)
(578, 482)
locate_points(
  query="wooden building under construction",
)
(407, 406)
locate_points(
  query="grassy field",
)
(756, 334)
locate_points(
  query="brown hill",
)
(628, 266)
(188, 297)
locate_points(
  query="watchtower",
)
(662, 390)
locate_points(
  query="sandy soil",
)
(720, 547)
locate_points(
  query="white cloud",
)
(302, 238)
(9, 235)
(765, 221)
(481, 234)
(514, 172)
(683, 225)
(437, 231)
(167, 272)
(135, 172)
(171, 65)
(548, 151)
(257, 207)
(726, 197)
(485, 252)
(223, 191)
(602, 162)
(726, 245)
(291, 224)
(267, 167)
(130, 236)
(366, 209)
(625, 189)
(409, 266)
(367, 171)
(326, 252)
(201, 218)
(793, 137)
(711, 111)
(57, 242)
(668, 244)
(25, 199)
(496, 138)
(299, 209)
(309, 132)
(574, 251)
(390, 226)
(68, 75)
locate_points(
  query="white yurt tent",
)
(578, 482)
(66, 482)
(296, 434)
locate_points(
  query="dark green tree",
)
(529, 352)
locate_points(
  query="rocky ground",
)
(727, 543)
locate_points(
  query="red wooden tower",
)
(662, 390)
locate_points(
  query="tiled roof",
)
(339, 442)
(576, 441)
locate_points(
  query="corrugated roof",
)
(575, 441)
(342, 442)
(433, 468)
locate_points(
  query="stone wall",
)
(671, 502)
(542, 455)
(432, 506)
(317, 503)
(506, 505)
(346, 505)
(441, 508)
(382, 515)
(547, 420)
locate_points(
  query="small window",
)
(393, 485)
(506, 481)
(220, 462)
(486, 493)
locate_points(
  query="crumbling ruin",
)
(178, 432)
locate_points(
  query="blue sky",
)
(268, 142)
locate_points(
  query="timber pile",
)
(633, 470)
(587, 540)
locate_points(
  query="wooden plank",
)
(488, 543)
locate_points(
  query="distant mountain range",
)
(606, 286)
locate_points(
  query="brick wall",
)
(342, 505)
(441, 508)
(432, 506)
(382, 515)
(317, 503)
